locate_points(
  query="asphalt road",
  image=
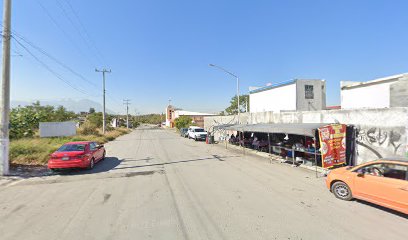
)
(157, 185)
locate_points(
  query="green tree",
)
(232, 109)
(61, 114)
(183, 122)
(91, 110)
(24, 121)
(95, 119)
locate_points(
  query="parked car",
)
(383, 182)
(76, 155)
(197, 133)
(183, 132)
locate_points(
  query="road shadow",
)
(399, 214)
(214, 157)
(105, 165)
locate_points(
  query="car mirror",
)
(99, 146)
(360, 174)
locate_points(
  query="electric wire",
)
(48, 68)
(65, 13)
(57, 61)
(85, 31)
(67, 36)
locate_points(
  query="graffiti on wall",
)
(382, 141)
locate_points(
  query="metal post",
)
(104, 91)
(5, 90)
(315, 155)
(239, 112)
(104, 109)
(269, 148)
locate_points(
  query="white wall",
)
(374, 96)
(57, 129)
(276, 99)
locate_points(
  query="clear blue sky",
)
(161, 49)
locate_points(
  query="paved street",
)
(157, 185)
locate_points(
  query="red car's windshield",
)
(72, 148)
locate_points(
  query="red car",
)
(76, 155)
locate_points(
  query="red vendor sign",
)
(333, 145)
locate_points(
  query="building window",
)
(309, 92)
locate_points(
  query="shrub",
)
(88, 129)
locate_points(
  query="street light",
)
(235, 76)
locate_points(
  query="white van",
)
(197, 133)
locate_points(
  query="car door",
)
(99, 151)
(384, 184)
(94, 151)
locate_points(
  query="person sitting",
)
(255, 143)
(232, 138)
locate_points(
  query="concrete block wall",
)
(399, 93)
(381, 132)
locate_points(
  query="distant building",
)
(172, 114)
(294, 95)
(384, 92)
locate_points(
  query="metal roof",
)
(392, 78)
(261, 89)
(307, 129)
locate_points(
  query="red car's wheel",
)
(91, 164)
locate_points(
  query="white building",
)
(294, 95)
(384, 92)
(197, 117)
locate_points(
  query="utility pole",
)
(5, 91)
(127, 103)
(103, 71)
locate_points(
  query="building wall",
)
(369, 96)
(169, 116)
(276, 99)
(57, 129)
(304, 101)
(381, 132)
(399, 93)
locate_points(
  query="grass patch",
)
(35, 151)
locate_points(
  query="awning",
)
(222, 126)
(306, 129)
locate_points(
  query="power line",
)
(85, 31)
(22, 38)
(49, 68)
(54, 59)
(67, 36)
(65, 13)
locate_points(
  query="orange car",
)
(383, 182)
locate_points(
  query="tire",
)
(91, 164)
(195, 139)
(341, 191)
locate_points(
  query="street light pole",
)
(237, 78)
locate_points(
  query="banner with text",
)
(333, 145)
